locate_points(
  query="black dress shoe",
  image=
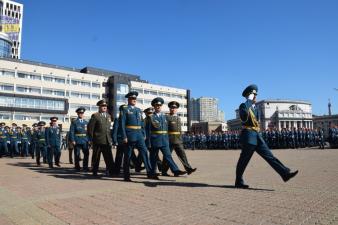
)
(139, 169)
(242, 186)
(190, 171)
(95, 174)
(127, 179)
(165, 174)
(57, 164)
(290, 175)
(153, 177)
(179, 173)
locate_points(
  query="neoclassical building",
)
(281, 113)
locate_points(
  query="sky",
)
(215, 48)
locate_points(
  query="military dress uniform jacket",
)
(53, 136)
(98, 129)
(174, 129)
(249, 117)
(157, 131)
(41, 138)
(4, 136)
(131, 123)
(78, 131)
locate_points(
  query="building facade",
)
(285, 114)
(5, 46)
(33, 91)
(11, 15)
(205, 109)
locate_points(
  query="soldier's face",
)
(103, 108)
(158, 108)
(173, 110)
(80, 114)
(132, 101)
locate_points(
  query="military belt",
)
(160, 132)
(174, 132)
(3, 136)
(80, 135)
(251, 128)
(133, 127)
(41, 139)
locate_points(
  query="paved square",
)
(39, 195)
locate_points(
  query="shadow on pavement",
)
(70, 173)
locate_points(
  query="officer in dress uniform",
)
(4, 137)
(13, 136)
(175, 139)
(53, 140)
(80, 140)
(34, 140)
(25, 140)
(99, 133)
(251, 140)
(133, 134)
(41, 149)
(157, 130)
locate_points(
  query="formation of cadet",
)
(213, 140)
(252, 140)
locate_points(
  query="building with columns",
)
(280, 113)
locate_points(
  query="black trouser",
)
(180, 154)
(262, 149)
(85, 151)
(107, 156)
(70, 153)
(118, 157)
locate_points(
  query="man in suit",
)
(98, 130)
(157, 131)
(79, 138)
(251, 140)
(53, 140)
(175, 139)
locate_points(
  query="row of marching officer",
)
(157, 132)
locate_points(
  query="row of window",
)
(49, 78)
(22, 102)
(47, 91)
(158, 93)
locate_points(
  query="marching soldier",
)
(133, 134)
(25, 140)
(321, 141)
(41, 149)
(175, 139)
(53, 140)
(4, 136)
(14, 136)
(98, 130)
(157, 130)
(80, 140)
(251, 140)
(34, 140)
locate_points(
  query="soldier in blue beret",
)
(157, 130)
(4, 137)
(251, 140)
(133, 135)
(53, 141)
(79, 138)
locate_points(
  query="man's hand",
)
(125, 140)
(73, 142)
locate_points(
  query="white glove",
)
(251, 97)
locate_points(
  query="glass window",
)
(76, 82)
(47, 78)
(60, 80)
(4, 116)
(85, 84)
(122, 89)
(85, 95)
(47, 91)
(95, 96)
(59, 93)
(95, 85)
(6, 87)
(7, 73)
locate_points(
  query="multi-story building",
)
(5, 45)
(33, 91)
(11, 14)
(204, 109)
(325, 122)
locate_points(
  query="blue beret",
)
(250, 89)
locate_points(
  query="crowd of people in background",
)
(275, 139)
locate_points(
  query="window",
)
(95, 85)
(29, 76)
(6, 87)
(4, 117)
(60, 80)
(85, 84)
(47, 91)
(23, 102)
(7, 73)
(50, 79)
(76, 82)
(35, 90)
(95, 96)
